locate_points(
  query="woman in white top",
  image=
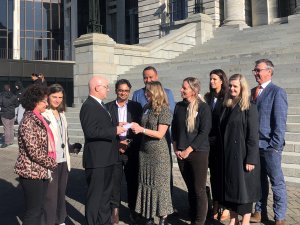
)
(55, 204)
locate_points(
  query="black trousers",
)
(97, 207)
(194, 172)
(55, 203)
(34, 193)
(131, 170)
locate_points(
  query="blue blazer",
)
(272, 108)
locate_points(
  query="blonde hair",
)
(192, 108)
(244, 98)
(158, 95)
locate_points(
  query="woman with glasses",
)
(37, 153)
(190, 129)
(218, 87)
(239, 131)
(154, 195)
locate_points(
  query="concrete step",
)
(292, 146)
(75, 132)
(293, 127)
(292, 136)
(79, 139)
(293, 181)
(74, 125)
(291, 158)
(291, 170)
(293, 119)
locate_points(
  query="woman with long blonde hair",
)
(190, 128)
(154, 195)
(239, 132)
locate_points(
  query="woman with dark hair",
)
(36, 153)
(239, 131)
(55, 204)
(190, 128)
(154, 192)
(214, 98)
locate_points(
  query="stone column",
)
(297, 9)
(150, 19)
(94, 55)
(234, 13)
(74, 25)
(121, 35)
(16, 30)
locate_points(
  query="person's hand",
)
(249, 167)
(177, 153)
(136, 128)
(120, 130)
(184, 154)
(123, 145)
(121, 124)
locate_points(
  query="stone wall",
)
(97, 54)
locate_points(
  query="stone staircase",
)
(234, 51)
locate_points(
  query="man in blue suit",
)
(272, 106)
(150, 74)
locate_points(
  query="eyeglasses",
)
(105, 86)
(123, 91)
(259, 70)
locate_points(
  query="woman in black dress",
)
(214, 98)
(239, 130)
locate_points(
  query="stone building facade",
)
(159, 17)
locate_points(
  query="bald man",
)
(100, 152)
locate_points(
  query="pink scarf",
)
(51, 143)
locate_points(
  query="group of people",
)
(43, 162)
(237, 133)
(11, 109)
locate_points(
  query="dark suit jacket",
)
(134, 114)
(100, 135)
(272, 109)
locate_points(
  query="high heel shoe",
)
(163, 221)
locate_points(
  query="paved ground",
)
(12, 201)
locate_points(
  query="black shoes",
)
(3, 145)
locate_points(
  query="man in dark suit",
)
(100, 153)
(272, 106)
(124, 111)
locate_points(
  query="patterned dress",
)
(154, 194)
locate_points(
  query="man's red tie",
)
(256, 93)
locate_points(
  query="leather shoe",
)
(4, 145)
(115, 216)
(255, 217)
(258, 217)
(279, 222)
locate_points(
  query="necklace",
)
(60, 126)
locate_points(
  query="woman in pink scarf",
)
(36, 153)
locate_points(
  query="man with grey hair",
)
(100, 152)
(271, 102)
